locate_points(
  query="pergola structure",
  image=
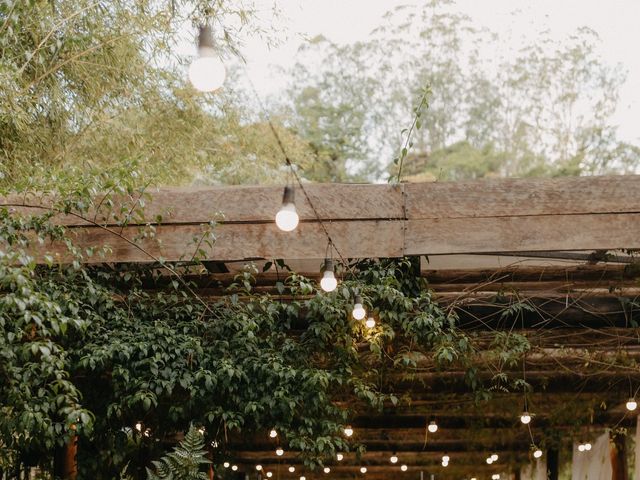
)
(565, 245)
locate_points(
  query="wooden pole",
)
(618, 453)
(552, 464)
(65, 464)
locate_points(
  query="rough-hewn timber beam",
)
(595, 213)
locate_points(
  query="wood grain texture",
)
(368, 221)
(523, 197)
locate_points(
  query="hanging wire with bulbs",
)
(207, 74)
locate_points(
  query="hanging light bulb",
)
(363, 469)
(404, 468)
(269, 474)
(329, 281)
(445, 458)
(445, 464)
(581, 447)
(489, 460)
(326, 470)
(525, 418)
(371, 322)
(495, 476)
(287, 218)
(393, 458)
(302, 477)
(279, 451)
(226, 464)
(339, 457)
(433, 426)
(273, 433)
(292, 469)
(234, 468)
(632, 404)
(258, 467)
(537, 453)
(587, 446)
(358, 310)
(207, 72)
(494, 457)
(348, 431)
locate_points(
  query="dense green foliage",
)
(185, 462)
(95, 351)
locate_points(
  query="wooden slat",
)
(523, 197)
(238, 242)
(242, 204)
(513, 234)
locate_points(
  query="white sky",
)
(344, 21)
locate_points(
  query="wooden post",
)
(552, 464)
(65, 464)
(618, 453)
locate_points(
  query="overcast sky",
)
(343, 21)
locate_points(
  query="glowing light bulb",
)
(403, 468)
(587, 446)
(348, 431)
(234, 468)
(287, 218)
(433, 426)
(269, 474)
(537, 453)
(363, 469)
(525, 417)
(326, 470)
(201, 430)
(445, 458)
(302, 477)
(495, 476)
(371, 322)
(489, 460)
(292, 469)
(329, 281)
(494, 457)
(226, 464)
(445, 464)
(632, 404)
(358, 310)
(273, 433)
(258, 467)
(206, 72)
(393, 458)
(581, 447)
(339, 457)
(139, 426)
(279, 451)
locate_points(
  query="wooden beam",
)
(618, 454)
(596, 213)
